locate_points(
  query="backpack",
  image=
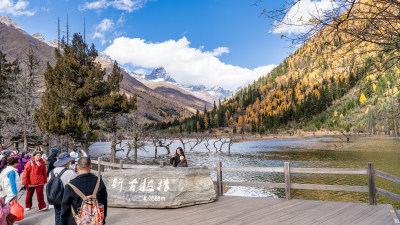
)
(89, 213)
(55, 188)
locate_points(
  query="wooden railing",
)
(287, 170)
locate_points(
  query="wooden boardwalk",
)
(243, 210)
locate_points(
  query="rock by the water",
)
(159, 188)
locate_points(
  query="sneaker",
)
(27, 209)
(45, 208)
(51, 206)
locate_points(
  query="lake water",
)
(315, 152)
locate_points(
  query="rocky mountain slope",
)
(156, 104)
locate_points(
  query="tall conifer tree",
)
(77, 94)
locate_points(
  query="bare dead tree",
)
(216, 147)
(183, 141)
(207, 144)
(346, 136)
(155, 139)
(135, 143)
(229, 141)
(198, 139)
(164, 142)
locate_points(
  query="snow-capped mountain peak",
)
(159, 74)
(219, 93)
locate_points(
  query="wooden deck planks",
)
(243, 210)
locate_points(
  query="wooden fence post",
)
(121, 162)
(161, 164)
(220, 191)
(371, 184)
(287, 180)
(99, 167)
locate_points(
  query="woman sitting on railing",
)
(178, 159)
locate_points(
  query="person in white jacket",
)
(10, 181)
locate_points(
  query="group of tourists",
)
(77, 195)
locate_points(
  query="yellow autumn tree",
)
(206, 121)
(240, 121)
(362, 98)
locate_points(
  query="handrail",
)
(387, 176)
(297, 170)
(288, 186)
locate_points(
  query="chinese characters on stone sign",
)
(138, 189)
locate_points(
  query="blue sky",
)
(214, 37)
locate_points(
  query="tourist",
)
(10, 180)
(75, 154)
(3, 162)
(86, 183)
(4, 211)
(178, 159)
(15, 153)
(62, 167)
(35, 176)
(22, 162)
(52, 159)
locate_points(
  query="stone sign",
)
(159, 187)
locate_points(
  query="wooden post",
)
(99, 167)
(121, 162)
(161, 164)
(220, 191)
(371, 184)
(287, 180)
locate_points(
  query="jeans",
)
(57, 210)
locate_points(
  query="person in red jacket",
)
(35, 176)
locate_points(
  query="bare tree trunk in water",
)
(113, 147)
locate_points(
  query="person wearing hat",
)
(3, 163)
(75, 154)
(35, 177)
(52, 159)
(63, 163)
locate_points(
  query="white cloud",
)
(218, 51)
(141, 71)
(17, 9)
(105, 26)
(299, 15)
(123, 5)
(186, 65)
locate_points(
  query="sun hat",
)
(6, 153)
(63, 159)
(73, 154)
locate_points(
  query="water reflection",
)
(328, 152)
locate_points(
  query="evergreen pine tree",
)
(76, 94)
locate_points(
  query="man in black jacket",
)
(52, 159)
(86, 183)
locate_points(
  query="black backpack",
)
(55, 188)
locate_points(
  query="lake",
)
(320, 152)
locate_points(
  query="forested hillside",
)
(328, 83)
